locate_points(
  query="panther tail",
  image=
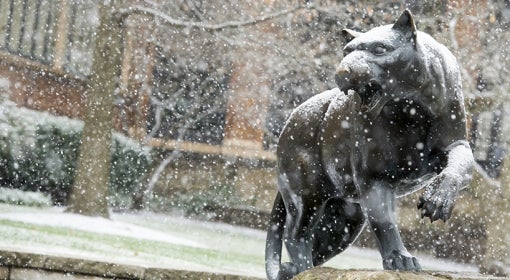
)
(274, 244)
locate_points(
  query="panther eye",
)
(380, 49)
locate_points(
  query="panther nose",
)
(342, 75)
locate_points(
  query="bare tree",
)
(295, 42)
(188, 103)
(89, 193)
(189, 99)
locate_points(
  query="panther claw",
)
(400, 261)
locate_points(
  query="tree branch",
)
(206, 26)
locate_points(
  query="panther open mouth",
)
(372, 97)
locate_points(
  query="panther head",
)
(379, 64)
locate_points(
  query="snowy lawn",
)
(156, 240)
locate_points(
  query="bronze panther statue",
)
(396, 123)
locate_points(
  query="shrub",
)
(130, 162)
(19, 197)
(39, 152)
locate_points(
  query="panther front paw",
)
(401, 261)
(439, 197)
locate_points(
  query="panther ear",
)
(349, 34)
(406, 25)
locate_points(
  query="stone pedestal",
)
(325, 273)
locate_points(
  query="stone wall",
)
(23, 266)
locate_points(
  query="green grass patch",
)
(224, 251)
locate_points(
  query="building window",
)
(32, 28)
(27, 28)
(83, 22)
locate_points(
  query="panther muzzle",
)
(369, 89)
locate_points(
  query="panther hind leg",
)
(340, 225)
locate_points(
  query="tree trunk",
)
(89, 195)
(496, 212)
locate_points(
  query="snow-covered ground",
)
(150, 239)
(98, 225)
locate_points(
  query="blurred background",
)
(200, 92)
